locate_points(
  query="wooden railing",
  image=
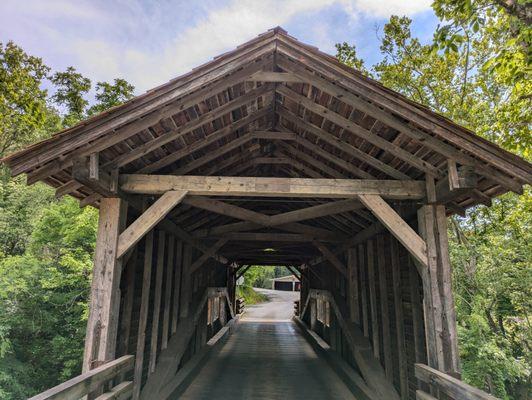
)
(323, 313)
(446, 385)
(93, 380)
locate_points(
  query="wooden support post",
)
(363, 288)
(353, 266)
(186, 289)
(399, 319)
(157, 301)
(177, 284)
(129, 299)
(102, 326)
(373, 299)
(440, 318)
(143, 317)
(170, 267)
(385, 314)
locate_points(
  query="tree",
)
(490, 248)
(347, 54)
(71, 89)
(110, 95)
(24, 113)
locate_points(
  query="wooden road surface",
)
(267, 358)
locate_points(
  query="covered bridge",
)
(272, 154)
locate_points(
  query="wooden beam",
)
(177, 284)
(170, 267)
(119, 129)
(205, 256)
(384, 307)
(271, 187)
(340, 144)
(329, 255)
(157, 297)
(356, 97)
(353, 299)
(397, 226)
(402, 361)
(359, 131)
(102, 325)
(143, 316)
(269, 237)
(375, 335)
(151, 217)
(273, 135)
(268, 76)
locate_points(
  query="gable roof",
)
(311, 117)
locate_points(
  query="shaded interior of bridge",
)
(266, 358)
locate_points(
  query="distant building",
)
(289, 283)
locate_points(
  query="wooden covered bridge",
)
(272, 154)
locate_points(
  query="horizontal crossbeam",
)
(271, 187)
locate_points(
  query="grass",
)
(250, 296)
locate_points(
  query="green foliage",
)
(70, 93)
(347, 54)
(24, 112)
(249, 295)
(260, 276)
(109, 95)
(491, 249)
(46, 246)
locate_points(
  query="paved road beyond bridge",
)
(267, 358)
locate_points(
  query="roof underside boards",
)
(274, 107)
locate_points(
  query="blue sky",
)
(150, 42)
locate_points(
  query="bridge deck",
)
(266, 359)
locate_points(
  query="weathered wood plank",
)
(375, 335)
(397, 226)
(87, 382)
(143, 316)
(157, 295)
(151, 217)
(353, 267)
(122, 391)
(453, 387)
(170, 267)
(271, 187)
(399, 319)
(329, 255)
(363, 288)
(177, 284)
(102, 325)
(385, 313)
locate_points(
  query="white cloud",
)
(139, 41)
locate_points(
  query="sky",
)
(150, 42)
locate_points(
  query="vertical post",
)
(440, 318)
(352, 270)
(385, 313)
(399, 318)
(168, 291)
(157, 301)
(186, 290)
(143, 317)
(363, 288)
(102, 326)
(177, 283)
(373, 300)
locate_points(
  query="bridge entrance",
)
(271, 154)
